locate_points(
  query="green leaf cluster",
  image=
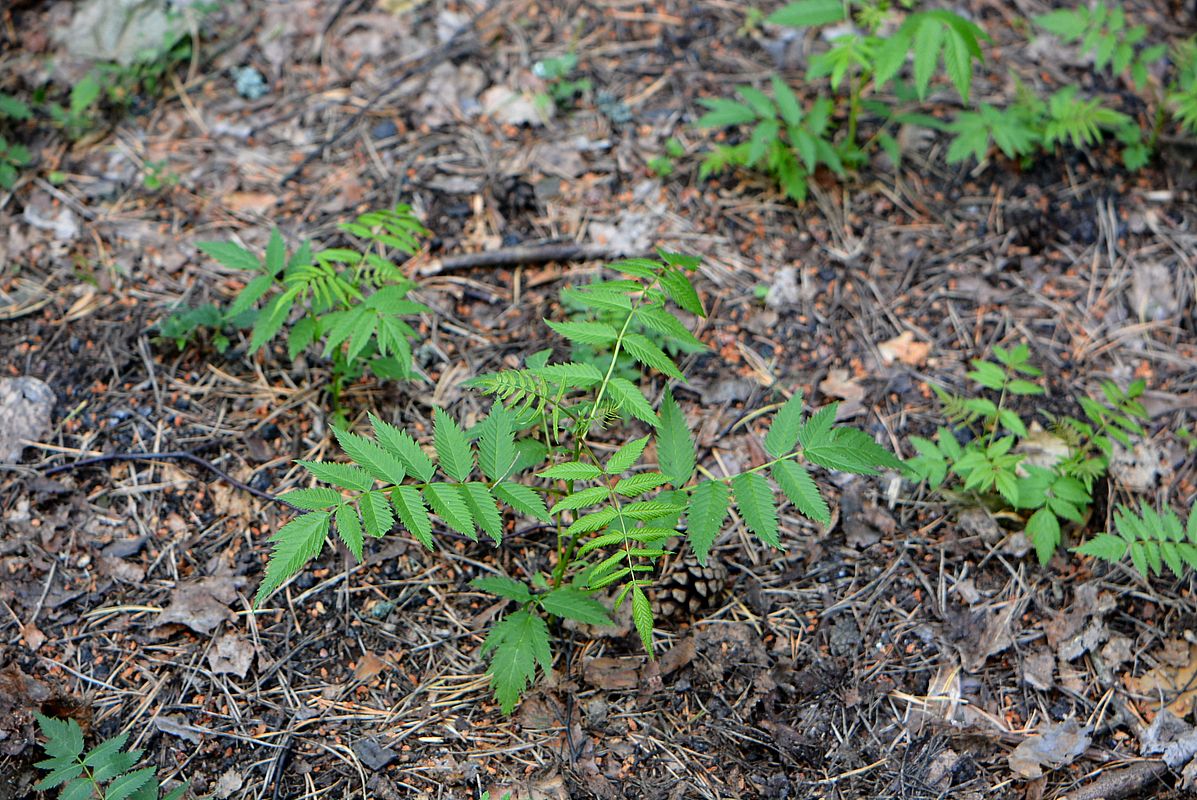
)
(106, 772)
(787, 142)
(351, 301)
(989, 466)
(1101, 30)
(1153, 540)
(392, 480)
(790, 140)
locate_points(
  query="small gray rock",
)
(25, 407)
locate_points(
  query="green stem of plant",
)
(996, 417)
(854, 108)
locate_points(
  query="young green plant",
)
(991, 466)
(106, 772)
(554, 448)
(352, 300)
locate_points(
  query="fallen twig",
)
(525, 254)
(174, 455)
(1116, 784)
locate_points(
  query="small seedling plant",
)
(790, 141)
(106, 772)
(554, 448)
(1152, 539)
(351, 300)
(987, 462)
(13, 156)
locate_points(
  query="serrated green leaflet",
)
(783, 431)
(523, 499)
(375, 460)
(448, 502)
(403, 447)
(452, 447)
(496, 443)
(797, 485)
(346, 476)
(313, 499)
(754, 500)
(230, 255)
(349, 529)
(636, 485)
(705, 515)
(585, 332)
(484, 510)
(575, 604)
(581, 499)
(503, 586)
(295, 544)
(409, 506)
(629, 398)
(376, 513)
(647, 353)
(516, 645)
(626, 456)
(675, 447)
(642, 615)
(572, 471)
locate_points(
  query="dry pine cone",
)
(686, 588)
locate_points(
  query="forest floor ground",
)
(902, 651)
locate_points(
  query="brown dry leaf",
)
(904, 348)
(1056, 745)
(611, 673)
(33, 636)
(253, 202)
(203, 604)
(368, 666)
(1175, 686)
(840, 383)
(230, 655)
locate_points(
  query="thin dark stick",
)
(456, 46)
(527, 254)
(174, 455)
